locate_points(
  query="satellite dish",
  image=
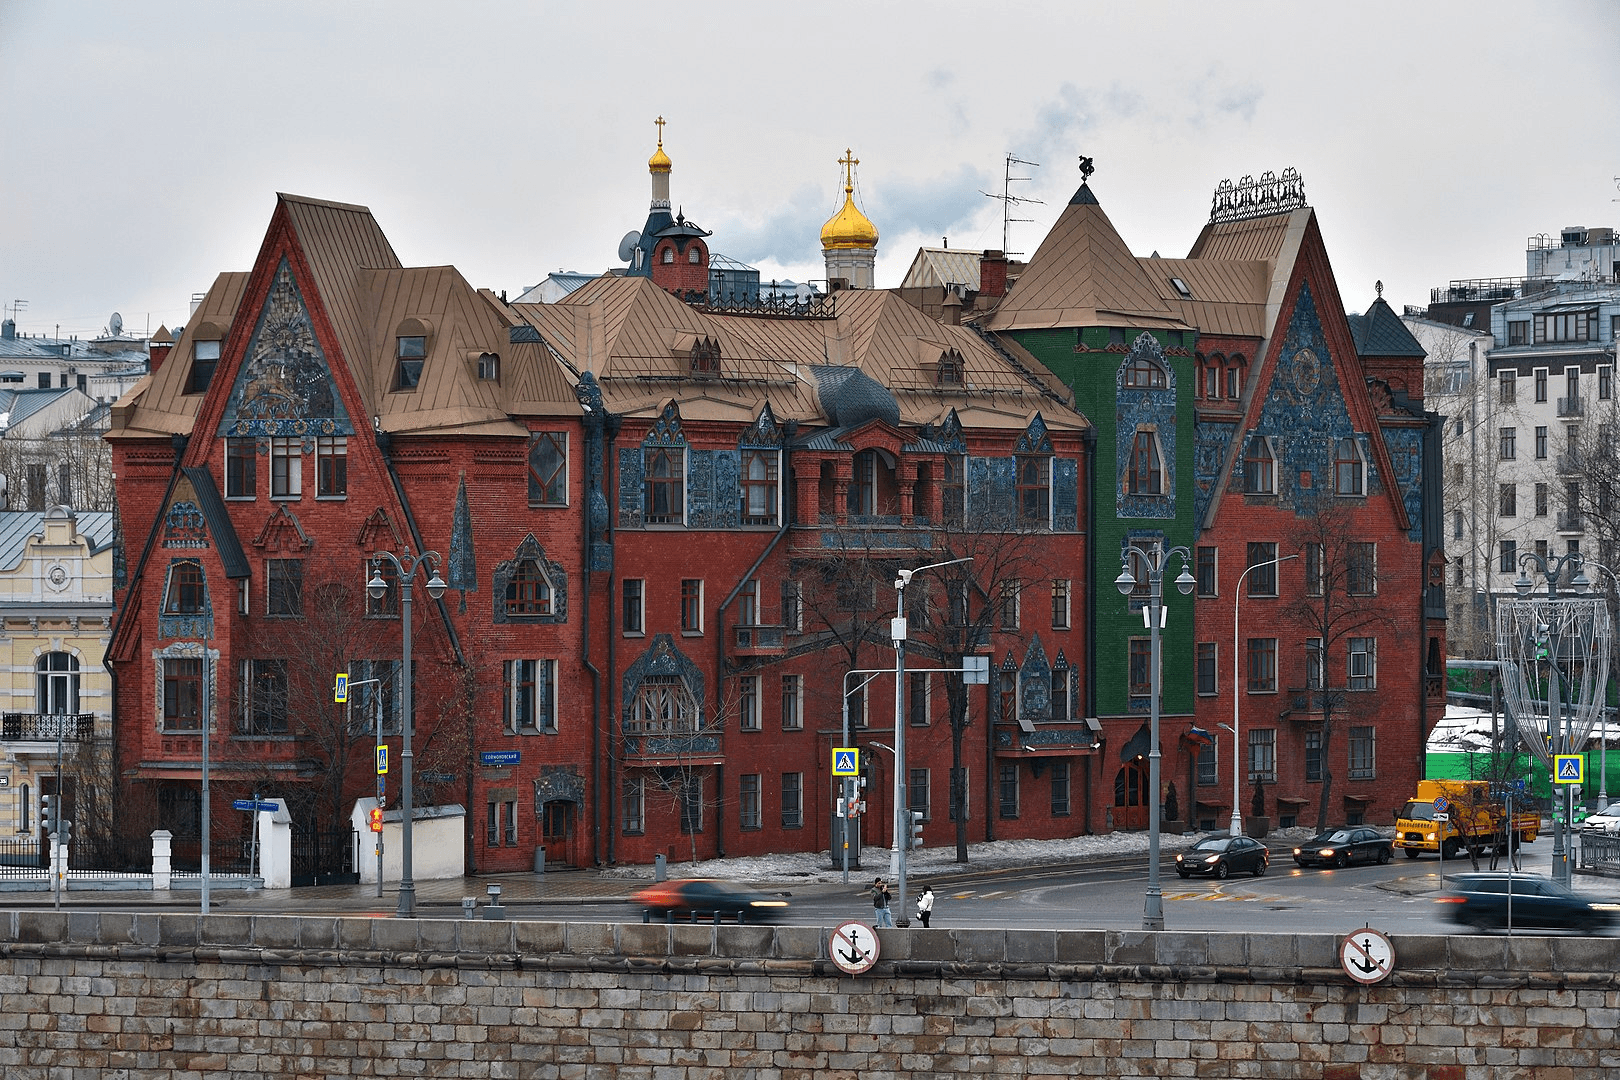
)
(627, 246)
(116, 324)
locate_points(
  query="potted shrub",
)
(1257, 824)
(1172, 823)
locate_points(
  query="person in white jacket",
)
(925, 905)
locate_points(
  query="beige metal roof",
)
(933, 267)
(158, 405)
(637, 339)
(1083, 275)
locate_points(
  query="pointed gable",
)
(1083, 275)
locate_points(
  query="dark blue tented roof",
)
(850, 397)
(1380, 332)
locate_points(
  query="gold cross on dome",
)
(660, 122)
(849, 161)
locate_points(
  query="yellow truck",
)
(1474, 820)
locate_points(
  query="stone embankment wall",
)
(129, 996)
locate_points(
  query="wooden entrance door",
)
(1130, 795)
(557, 831)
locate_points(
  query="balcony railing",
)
(1570, 462)
(759, 637)
(1572, 406)
(48, 727)
(1569, 522)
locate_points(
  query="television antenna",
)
(1008, 199)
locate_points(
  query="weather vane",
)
(1086, 168)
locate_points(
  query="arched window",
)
(668, 256)
(1234, 378)
(665, 490)
(528, 593)
(1212, 378)
(759, 487)
(1143, 372)
(1260, 467)
(57, 683)
(1146, 473)
(694, 255)
(1034, 490)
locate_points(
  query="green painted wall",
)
(1092, 376)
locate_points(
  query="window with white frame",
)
(57, 683)
(691, 605)
(1263, 755)
(1060, 603)
(331, 467)
(792, 702)
(634, 803)
(1363, 670)
(1145, 474)
(1010, 592)
(665, 485)
(262, 698)
(241, 468)
(918, 792)
(635, 611)
(548, 468)
(286, 468)
(1349, 470)
(793, 800)
(1033, 490)
(1207, 662)
(1315, 672)
(1260, 466)
(748, 703)
(1363, 752)
(530, 697)
(759, 486)
(1262, 666)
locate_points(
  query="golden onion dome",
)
(659, 162)
(849, 228)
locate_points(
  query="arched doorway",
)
(1131, 795)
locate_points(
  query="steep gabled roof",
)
(158, 404)
(1083, 275)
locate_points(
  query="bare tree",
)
(1341, 614)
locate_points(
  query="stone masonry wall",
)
(115, 996)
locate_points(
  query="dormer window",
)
(949, 372)
(706, 356)
(410, 353)
(489, 366)
(1143, 373)
(204, 358)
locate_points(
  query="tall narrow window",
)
(263, 699)
(1262, 569)
(409, 354)
(1507, 500)
(953, 492)
(1363, 670)
(186, 594)
(1007, 790)
(792, 702)
(862, 496)
(1541, 384)
(1259, 466)
(1313, 756)
(665, 486)
(1140, 667)
(1060, 695)
(241, 468)
(759, 487)
(385, 606)
(1034, 491)
(1506, 384)
(635, 805)
(1007, 691)
(635, 606)
(1507, 556)
(332, 467)
(1262, 665)
(1060, 788)
(917, 698)
(57, 683)
(1010, 593)
(1362, 752)
(748, 603)
(286, 468)
(1207, 668)
(64, 483)
(285, 587)
(548, 468)
(1315, 671)
(37, 482)
(1207, 581)
(1263, 755)
(1314, 580)
(182, 694)
(1541, 443)
(530, 697)
(1506, 438)
(1234, 378)
(692, 605)
(1146, 473)
(204, 358)
(748, 802)
(1361, 569)
(793, 800)
(1541, 500)
(793, 606)
(1348, 469)
(748, 703)
(1060, 603)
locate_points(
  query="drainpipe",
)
(384, 447)
(597, 422)
(1088, 439)
(607, 798)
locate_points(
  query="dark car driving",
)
(1485, 901)
(708, 898)
(1222, 856)
(1341, 847)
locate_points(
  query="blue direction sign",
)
(250, 805)
(500, 757)
(1569, 768)
(846, 761)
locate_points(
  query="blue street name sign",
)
(250, 805)
(500, 757)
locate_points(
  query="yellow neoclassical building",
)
(56, 612)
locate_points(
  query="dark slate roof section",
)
(1380, 332)
(16, 526)
(1084, 197)
(219, 522)
(825, 439)
(850, 397)
(521, 334)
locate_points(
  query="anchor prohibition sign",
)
(1367, 956)
(853, 947)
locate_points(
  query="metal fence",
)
(1599, 852)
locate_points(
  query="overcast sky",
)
(145, 141)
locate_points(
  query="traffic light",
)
(915, 818)
(64, 831)
(375, 817)
(47, 813)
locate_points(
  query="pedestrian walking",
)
(925, 906)
(880, 903)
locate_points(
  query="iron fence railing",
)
(48, 727)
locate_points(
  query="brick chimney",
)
(993, 274)
(158, 349)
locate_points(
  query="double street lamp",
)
(405, 567)
(1154, 560)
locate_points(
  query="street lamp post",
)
(1603, 721)
(1153, 612)
(902, 808)
(1237, 684)
(377, 588)
(1557, 629)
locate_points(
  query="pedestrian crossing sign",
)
(1569, 769)
(846, 761)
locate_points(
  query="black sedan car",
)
(1486, 901)
(1222, 856)
(1341, 847)
(707, 898)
